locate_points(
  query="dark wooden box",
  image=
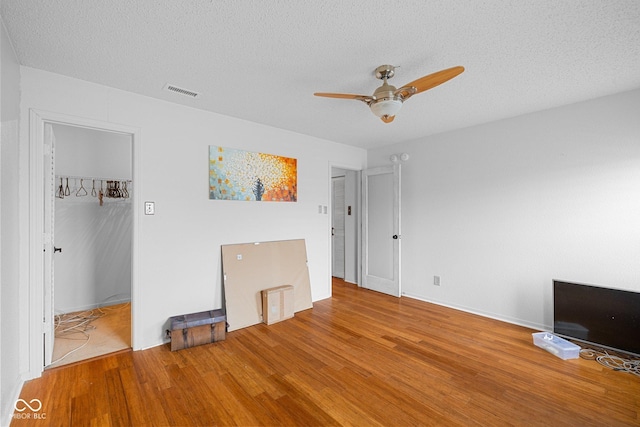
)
(189, 330)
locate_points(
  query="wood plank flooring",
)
(359, 358)
(108, 333)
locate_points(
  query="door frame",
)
(357, 208)
(37, 120)
(332, 218)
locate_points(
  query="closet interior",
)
(92, 237)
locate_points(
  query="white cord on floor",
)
(611, 361)
(69, 324)
(74, 350)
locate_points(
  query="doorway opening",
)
(39, 330)
(92, 230)
(345, 223)
(369, 249)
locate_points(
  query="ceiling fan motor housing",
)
(385, 100)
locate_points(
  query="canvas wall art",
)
(244, 175)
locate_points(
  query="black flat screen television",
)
(601, 316)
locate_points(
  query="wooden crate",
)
(189, 330)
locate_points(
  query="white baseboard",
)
(494, 316)
(8, 405)
(92, 306)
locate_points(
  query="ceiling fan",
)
(387, 100)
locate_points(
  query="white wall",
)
(94, 267)
(499, 210)
(178, 253)
(10, 303)
(89, 152)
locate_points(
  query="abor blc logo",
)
(21, 405)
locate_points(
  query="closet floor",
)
(91, 333)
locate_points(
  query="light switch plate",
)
(149, 208)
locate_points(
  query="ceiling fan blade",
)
(387, 119)
(429, 82)
(363, 98)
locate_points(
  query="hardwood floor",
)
(77, 340)
(359, 358)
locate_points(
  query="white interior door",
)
(381, 229)
(48, 238)
(338, 226)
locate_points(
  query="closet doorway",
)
(338, 212)
(92, 238)
(345, 206)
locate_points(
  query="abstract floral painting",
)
(244, 175)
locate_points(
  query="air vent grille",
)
(181, 91)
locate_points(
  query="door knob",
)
(395, 237)
(57, 250)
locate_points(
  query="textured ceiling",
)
(262, 60)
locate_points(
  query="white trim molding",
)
(34, 329)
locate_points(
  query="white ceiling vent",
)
(181, 91)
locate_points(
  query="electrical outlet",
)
(436, 280)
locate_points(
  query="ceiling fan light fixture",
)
(386, 101)
(386, 107)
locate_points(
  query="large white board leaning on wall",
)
(249, 268)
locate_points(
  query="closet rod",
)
(91, 177)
